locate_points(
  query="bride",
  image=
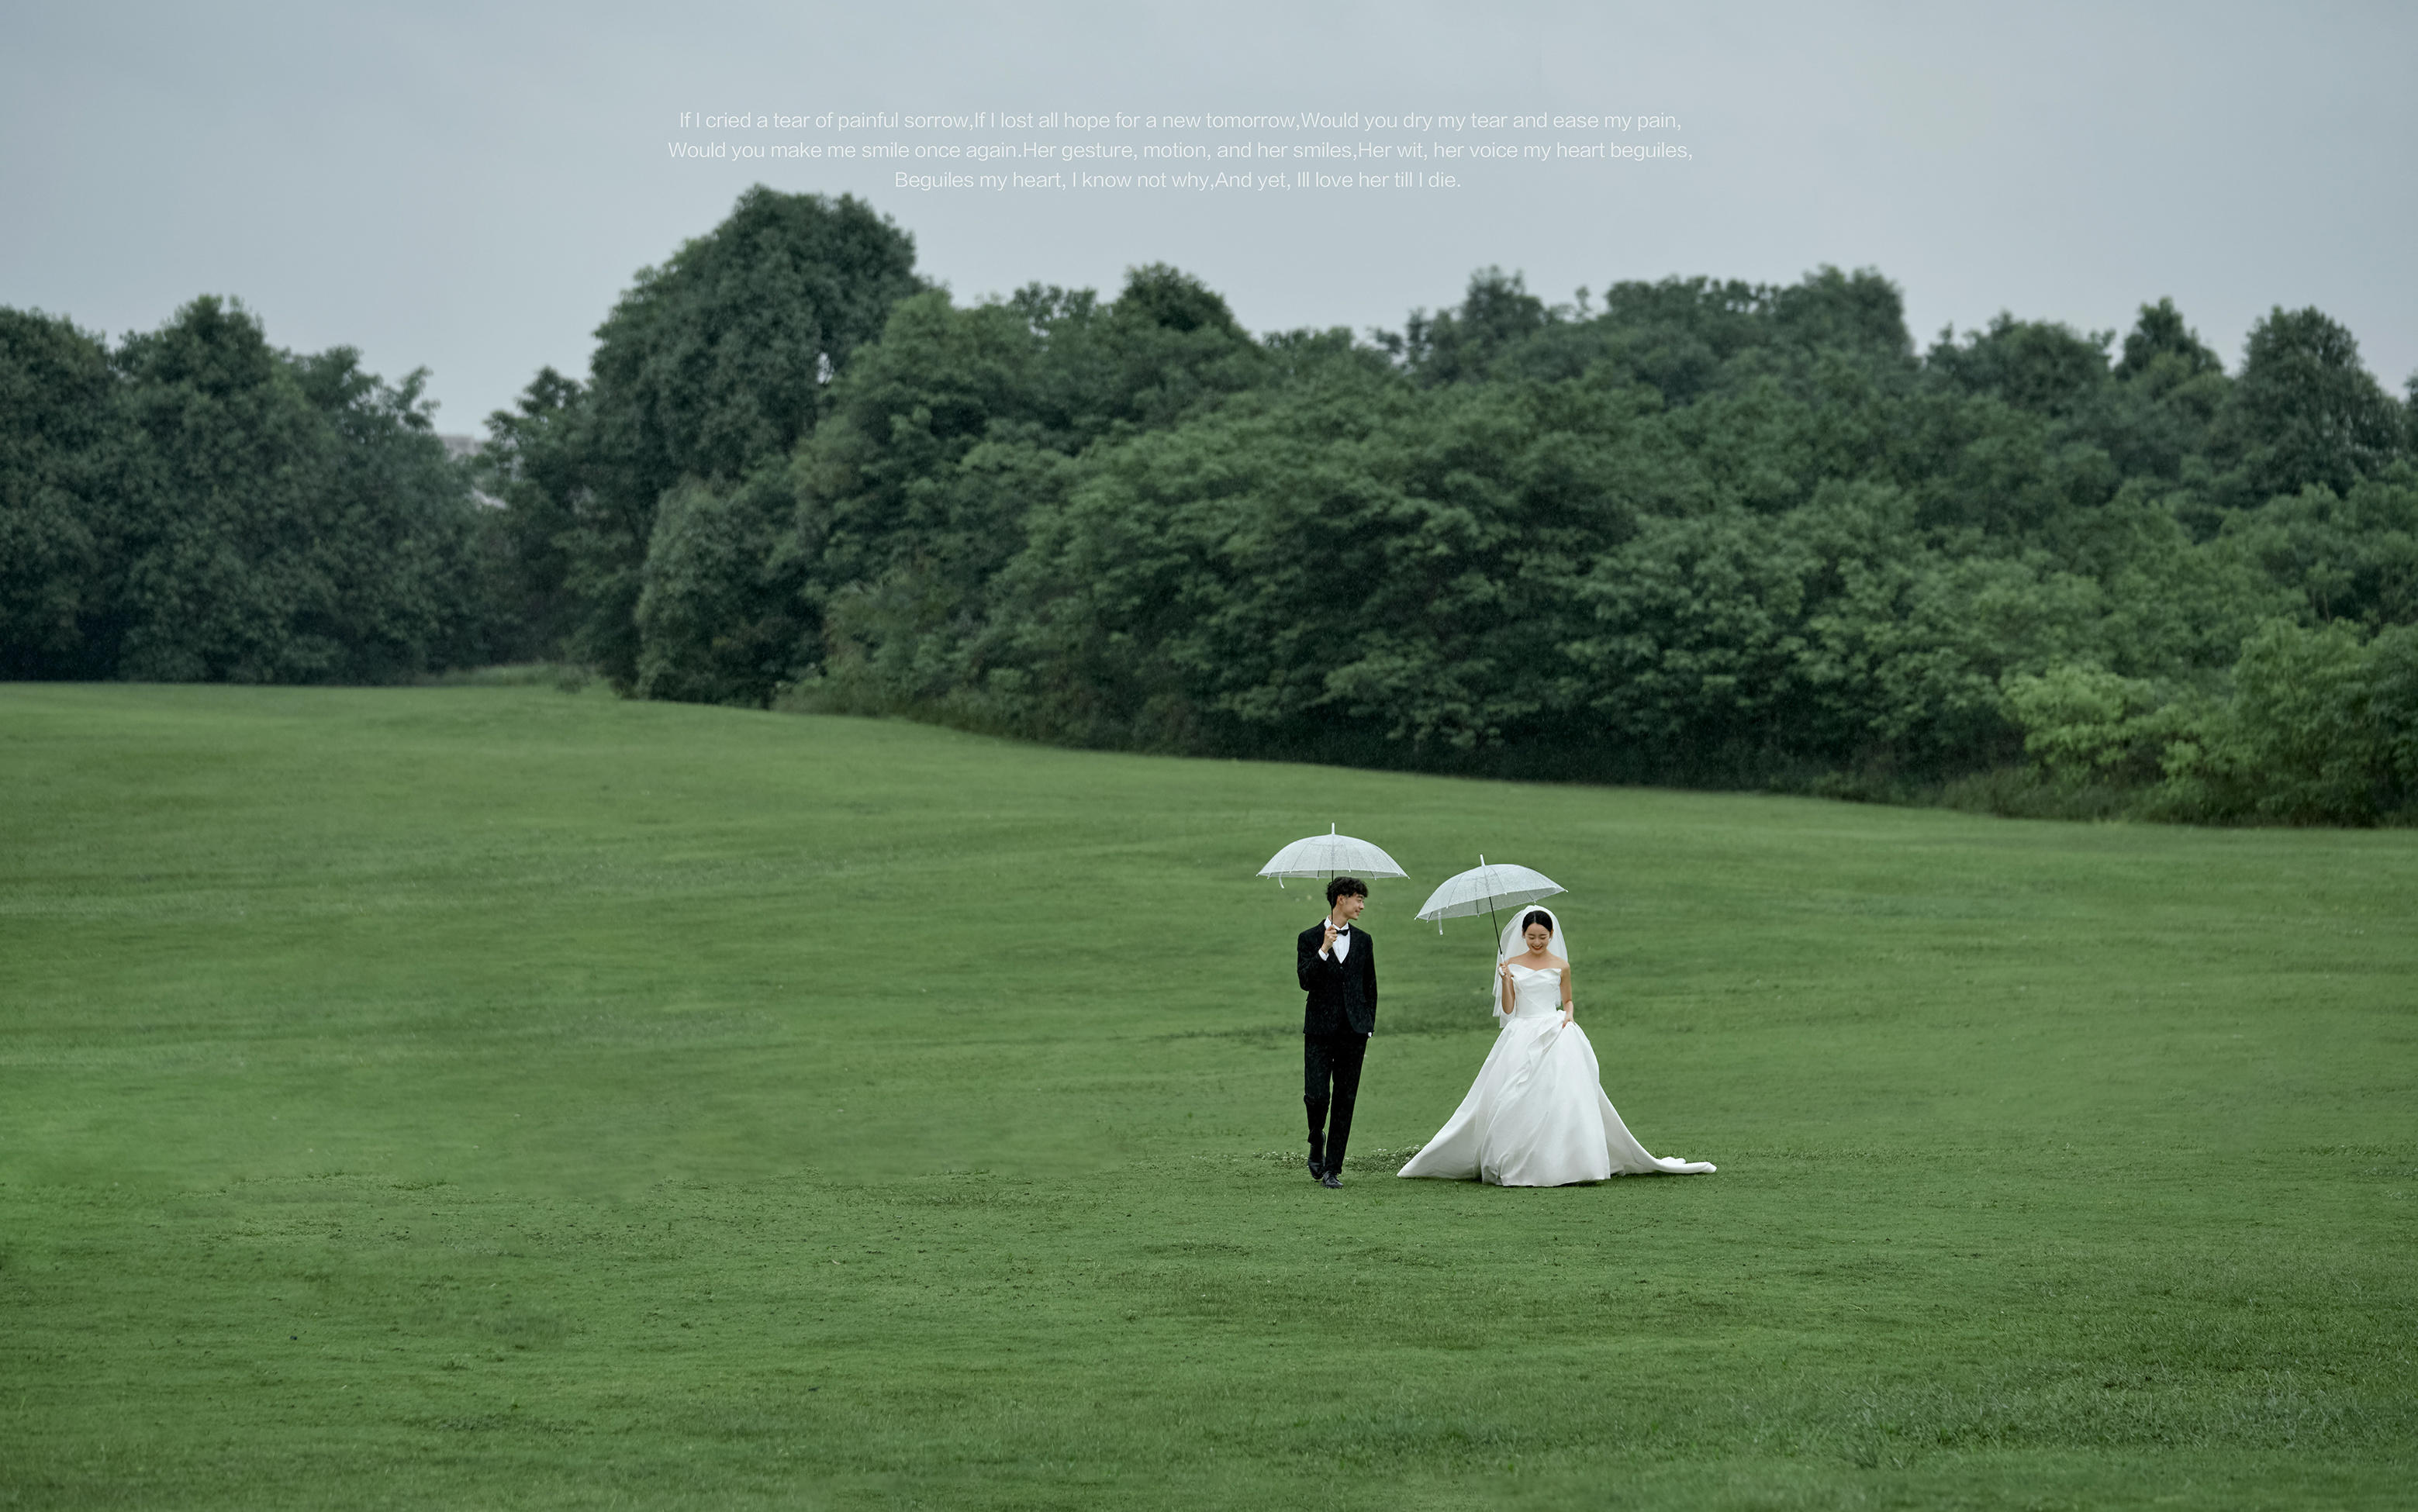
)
(1537, 1116)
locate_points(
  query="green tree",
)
(1342, 564)
(287, 519)
(710, 365)
(950, 432)
(2085, 724)
(2350, 556)
(1496, 316)
(2299, 740)
(2154, 420)
(538, 463)
(2038, 365)
(718, 618)
(2160, 336)
(1860, 316)
(60, 523)
(1687, 338)
(2304, 411)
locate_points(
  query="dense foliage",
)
(621, 490)
(1696, 532)
(197, 505)
(1700, 531)
(1722, 534)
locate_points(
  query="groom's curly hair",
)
(1342, 885)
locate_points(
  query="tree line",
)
(1689, 532)
(196, 505)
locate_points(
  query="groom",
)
(1339, 969)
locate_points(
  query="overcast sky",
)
(468, 186)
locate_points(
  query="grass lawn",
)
(494, 1097)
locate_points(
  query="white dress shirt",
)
(1342, 946)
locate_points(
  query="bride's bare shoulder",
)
(1558, 964)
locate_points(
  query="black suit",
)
(1337, 1018)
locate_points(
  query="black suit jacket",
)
(1342, 994)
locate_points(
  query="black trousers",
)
(1330, 1083)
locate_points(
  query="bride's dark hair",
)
(1537, 916)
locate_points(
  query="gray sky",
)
(469, 186)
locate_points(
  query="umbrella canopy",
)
(1485, 889)
(1331, 855)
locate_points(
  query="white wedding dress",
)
(1537, 1116)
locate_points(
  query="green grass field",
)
(494, 1097)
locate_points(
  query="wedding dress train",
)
(1537, 1116)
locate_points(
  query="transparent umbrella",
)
(1330, 855)
(1487, 890)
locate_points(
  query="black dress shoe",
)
(1316, 1170)
(1330, 1178)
